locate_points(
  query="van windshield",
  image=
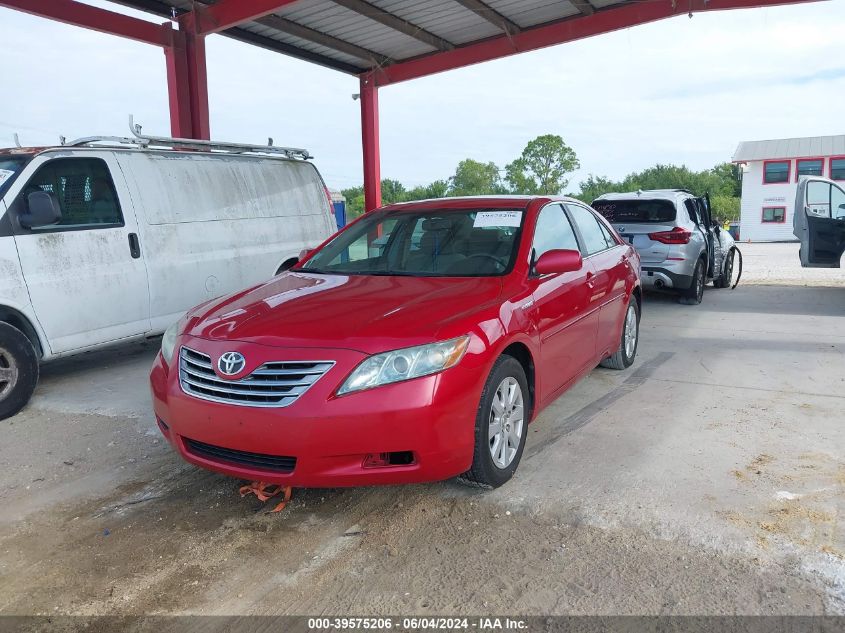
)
(424, 243)
(10, 167)
(637, 211)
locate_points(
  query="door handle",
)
(590, 279)
(134, 246)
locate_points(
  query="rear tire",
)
(624, 356)
(695, 293)
(501, 425)
(725, 278)
(18, 370)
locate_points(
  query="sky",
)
(681, 91)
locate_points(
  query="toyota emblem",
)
(231, 363)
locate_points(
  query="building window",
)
(810, 167)
(775, 171)
(837, 168)
(774, 215)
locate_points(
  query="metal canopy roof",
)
(356, 36)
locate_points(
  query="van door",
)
(85, 274)
(819, 222)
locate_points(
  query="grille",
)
(276, 384)
(275, 463)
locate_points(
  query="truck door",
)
(819, 222)
(709, 234)
(85, 274)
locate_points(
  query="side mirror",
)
(558, 261)
(44, 210)
(304, 253)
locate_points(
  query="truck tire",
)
(18, 370)
(501, 425)
(695, 293)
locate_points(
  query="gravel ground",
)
(707, 479)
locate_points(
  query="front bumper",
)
(327, 437)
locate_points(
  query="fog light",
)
(377, 460)
(396, 458)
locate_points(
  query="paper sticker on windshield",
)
(497, 218)
(4, 174)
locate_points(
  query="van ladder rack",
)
(146, 141)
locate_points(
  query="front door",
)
(85, 274)
(565, 319)
(819, 222)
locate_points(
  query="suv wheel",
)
(695, 293)
(724, 280)
(18, 370)
(501, 425)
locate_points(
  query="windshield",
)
(432, 243)
(636, 211)
(10, 166)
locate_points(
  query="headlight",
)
(404, 364)
(168, 340)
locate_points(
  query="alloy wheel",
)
(507, 418)
(630, 331)
(8, 373)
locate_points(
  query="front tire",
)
(695, 293)
(624, 356)
(726, 277)
(18, 370)
(501, 425)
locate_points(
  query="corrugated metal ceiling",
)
(358, 35)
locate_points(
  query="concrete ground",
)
(707, 479)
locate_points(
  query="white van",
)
(106, 240)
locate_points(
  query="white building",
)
(770, 171)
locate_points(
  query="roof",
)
(472, 202)
(811, 146)
(357, 36)
(647, 194)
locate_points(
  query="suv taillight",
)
(675, 236)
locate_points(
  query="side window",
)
(591, 230)
(776, 171)
(608, 237)
(553, 231)
(818, 199)
(84, 189)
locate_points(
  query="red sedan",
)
(415, 345)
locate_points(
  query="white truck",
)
(106, 240)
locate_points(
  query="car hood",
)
(370, 314)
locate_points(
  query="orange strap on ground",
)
(265, 491)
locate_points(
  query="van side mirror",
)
(44, 210)
(558, 261)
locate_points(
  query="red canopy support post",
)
(370, 142)
(187, 82)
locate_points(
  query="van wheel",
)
(695, 293)
(501, 425)
(724, 280)
(18, 370)
(624, 356)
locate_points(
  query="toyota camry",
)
(417, 344)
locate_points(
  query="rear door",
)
(85, 274)
(635, 220)
(819, 222)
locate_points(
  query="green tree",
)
(437, 189)
(543, 166)
(473, 178)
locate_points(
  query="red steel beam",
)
(187, 82)
(370, 143)
(225, 14)
(570, 29)
(81, 14)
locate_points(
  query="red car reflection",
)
(415, 345)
